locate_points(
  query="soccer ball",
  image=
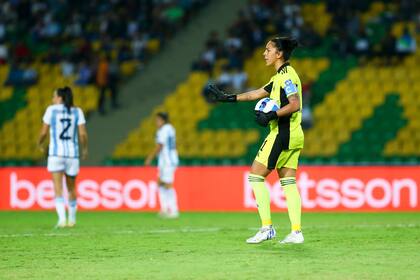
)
(266, 105)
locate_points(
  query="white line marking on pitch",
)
(356, 226)
(197, 230)
(128, 232)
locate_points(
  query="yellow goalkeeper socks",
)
(262, 197)
(293, 201)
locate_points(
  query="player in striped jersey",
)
(66, 126)
(167, 162)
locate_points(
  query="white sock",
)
(173, 201)
(61, 209)
(72, 211)
(163, 200)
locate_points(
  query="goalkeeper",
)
(281, 148)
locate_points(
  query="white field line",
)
(196, 230)
(119, 232)
(356, 226)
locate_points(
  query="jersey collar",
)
(282, 66)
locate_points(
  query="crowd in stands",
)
(348, 35)
(352, 36)
(86, 37)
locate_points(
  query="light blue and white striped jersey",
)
(168, 155)
(64, 139)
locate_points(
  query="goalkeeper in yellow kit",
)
(281, 148)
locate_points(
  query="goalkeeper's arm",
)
(252, 95)
(219, 95)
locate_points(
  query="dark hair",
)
(286, 45)
(164, 116)
(67, 95)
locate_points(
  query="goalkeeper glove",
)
(217, 94)
(264, 118)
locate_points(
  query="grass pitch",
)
(208, 246)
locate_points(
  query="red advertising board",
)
(326, 188)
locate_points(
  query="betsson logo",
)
(350, 193)
(110, 194)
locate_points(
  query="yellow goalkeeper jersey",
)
(283, 84)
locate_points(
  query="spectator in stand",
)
(387, 48)
(224, 81)
(234, 57)
(353, 25)
(4, 52)
(22, 52)
(2, 30)
(232, 79)
(362, 44)
(239, 79)
(51, 27)
(113, 79)
(201, 65)
(138, 46)
(233, 41)
(74, 28)
(102, 82)
(406, 44)
(215, 43)
(257, 36)
(173, 14)
(209, 55)
(30, 75)
(21, 75)
(84, 75)
(67, 68)
(124, 52)
(293, 20)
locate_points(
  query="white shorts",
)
(70, 166)
(167, 173)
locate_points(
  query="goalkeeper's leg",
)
(262, 197)
(288, 183)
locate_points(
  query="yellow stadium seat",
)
(153, 46)
(5, 93)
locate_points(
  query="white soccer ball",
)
(266, 105)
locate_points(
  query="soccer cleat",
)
(162, 214)
(173, 215)
(71, 224)
(61, 224)
(265, 233)
(295, 237)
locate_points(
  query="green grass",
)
(208, 246)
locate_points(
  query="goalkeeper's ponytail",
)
(286, 45)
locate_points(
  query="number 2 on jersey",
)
(66, 125)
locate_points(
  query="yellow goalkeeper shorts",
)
(273, 157)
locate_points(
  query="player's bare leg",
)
(71, 187)
(262, 196)
(60, 207)
(288, 182)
